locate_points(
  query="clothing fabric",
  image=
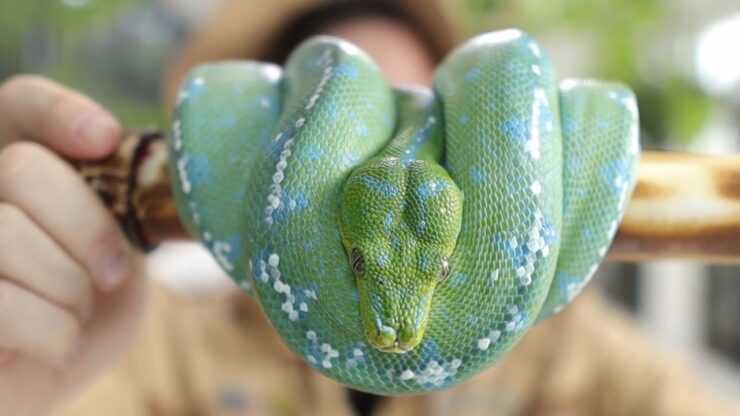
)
(218, 355)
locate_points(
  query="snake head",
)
(399, 223)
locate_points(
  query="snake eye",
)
(358, 263)
(445, 270)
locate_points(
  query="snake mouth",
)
(394, 349)
(389, 339)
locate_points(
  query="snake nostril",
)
(406, 335)
(385, 336)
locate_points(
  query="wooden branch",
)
(685, 206)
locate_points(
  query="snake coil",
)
(261, 156)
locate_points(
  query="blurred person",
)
(72, 290)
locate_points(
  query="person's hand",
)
(70, 285)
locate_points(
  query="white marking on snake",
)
(500, 36)
(291, 306)
(220, 250)
(635, 141)
(536, 69)
(535, 244)
(492, 337)
(534, 48)
(194, 211)
(612, 228)
(181, 97)
(421, 134)
(177, 135)
(516, 321)
(327, 352)
(181, 169)
(263, 272)
(628, 101)
(484, 343)
(328, 71)
(623, 185)
(312, 101)
(435, 373)
(532, 145)
(276, 191)
(536, 187)
(575, 288)
(273, 198)
(272, 72)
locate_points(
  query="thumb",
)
(37, 109)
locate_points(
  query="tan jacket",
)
(219, 356)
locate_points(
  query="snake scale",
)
(403, 240)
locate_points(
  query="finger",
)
(46, 189)
(34, 108)
(32, 259)
(5, 356)
(33, 326)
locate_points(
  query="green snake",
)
(401, 240)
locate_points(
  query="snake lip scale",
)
(403, 240)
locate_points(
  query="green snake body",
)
(289, 176)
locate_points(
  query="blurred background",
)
(682, 58)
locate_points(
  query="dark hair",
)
(316, 20)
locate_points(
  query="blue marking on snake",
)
(476, 174)
(227, 121)
(383, 259)
(473, 74)
(199, 170)
(459, 279)
(378, 186)
(517, 129)
(388, 221)
(616, 174)
(571, 125)
(314, 152)
(430, 189)
(588, 234)
(347, 70)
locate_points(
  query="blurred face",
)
(397, 49)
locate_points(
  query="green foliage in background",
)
(50, 37)
(45, 37)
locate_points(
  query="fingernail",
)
(95, 128)
(114, 268)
